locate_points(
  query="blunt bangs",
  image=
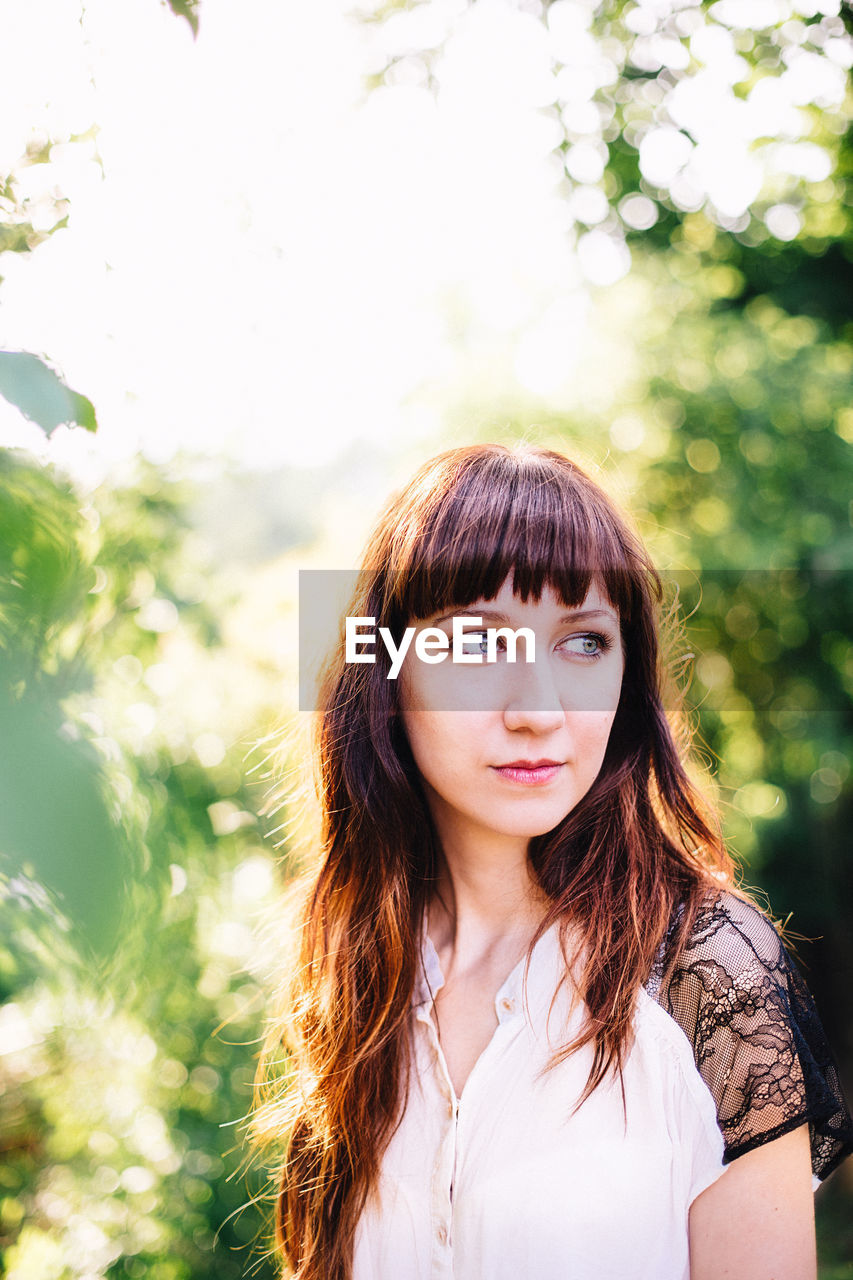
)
(468, 522)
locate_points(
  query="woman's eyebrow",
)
(489, 615)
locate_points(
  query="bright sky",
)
(271, 264)
(264, 265)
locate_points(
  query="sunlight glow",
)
(264, 261)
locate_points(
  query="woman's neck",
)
(486, 903)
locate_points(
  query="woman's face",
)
(507, 749)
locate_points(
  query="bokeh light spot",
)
(703, 455)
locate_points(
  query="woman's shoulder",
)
(730, 937)
(726, 921)
(757, 1039)
(695, 990)
(728, 930)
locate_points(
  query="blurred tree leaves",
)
(188, 9)
(54, 817)
(72, 592)
(56, 823)
(659, 111)
(28, 383)
(46, 572)
(26, 380)
(123, 942)
(23, 224)
(121, 1086)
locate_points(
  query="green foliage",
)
(620, 71)
(188, 9)
(46, 575)
(18, 234)
(69, 593)
(41, 395)
(129, 867)
(55, 820)
(755, 482)
(123, 1087)
(120, 1117)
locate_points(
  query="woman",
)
(535, 1029)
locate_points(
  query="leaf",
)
(41, 395)
(56, 824)
(46, 575)
(186, 9)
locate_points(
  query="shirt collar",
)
(429, 979)
(514, 998)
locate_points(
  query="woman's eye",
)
(477, 642)
(589, 645)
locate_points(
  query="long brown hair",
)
(639, 843)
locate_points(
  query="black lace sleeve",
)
(757, 1039)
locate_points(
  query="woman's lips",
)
(530, 773)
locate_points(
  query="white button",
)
(441, 1233)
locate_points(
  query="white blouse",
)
(505, 1183)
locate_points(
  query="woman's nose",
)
(542, 721)
(533, 699)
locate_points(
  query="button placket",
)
(442, 1208)
(447, 1156)
(507, 1002)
